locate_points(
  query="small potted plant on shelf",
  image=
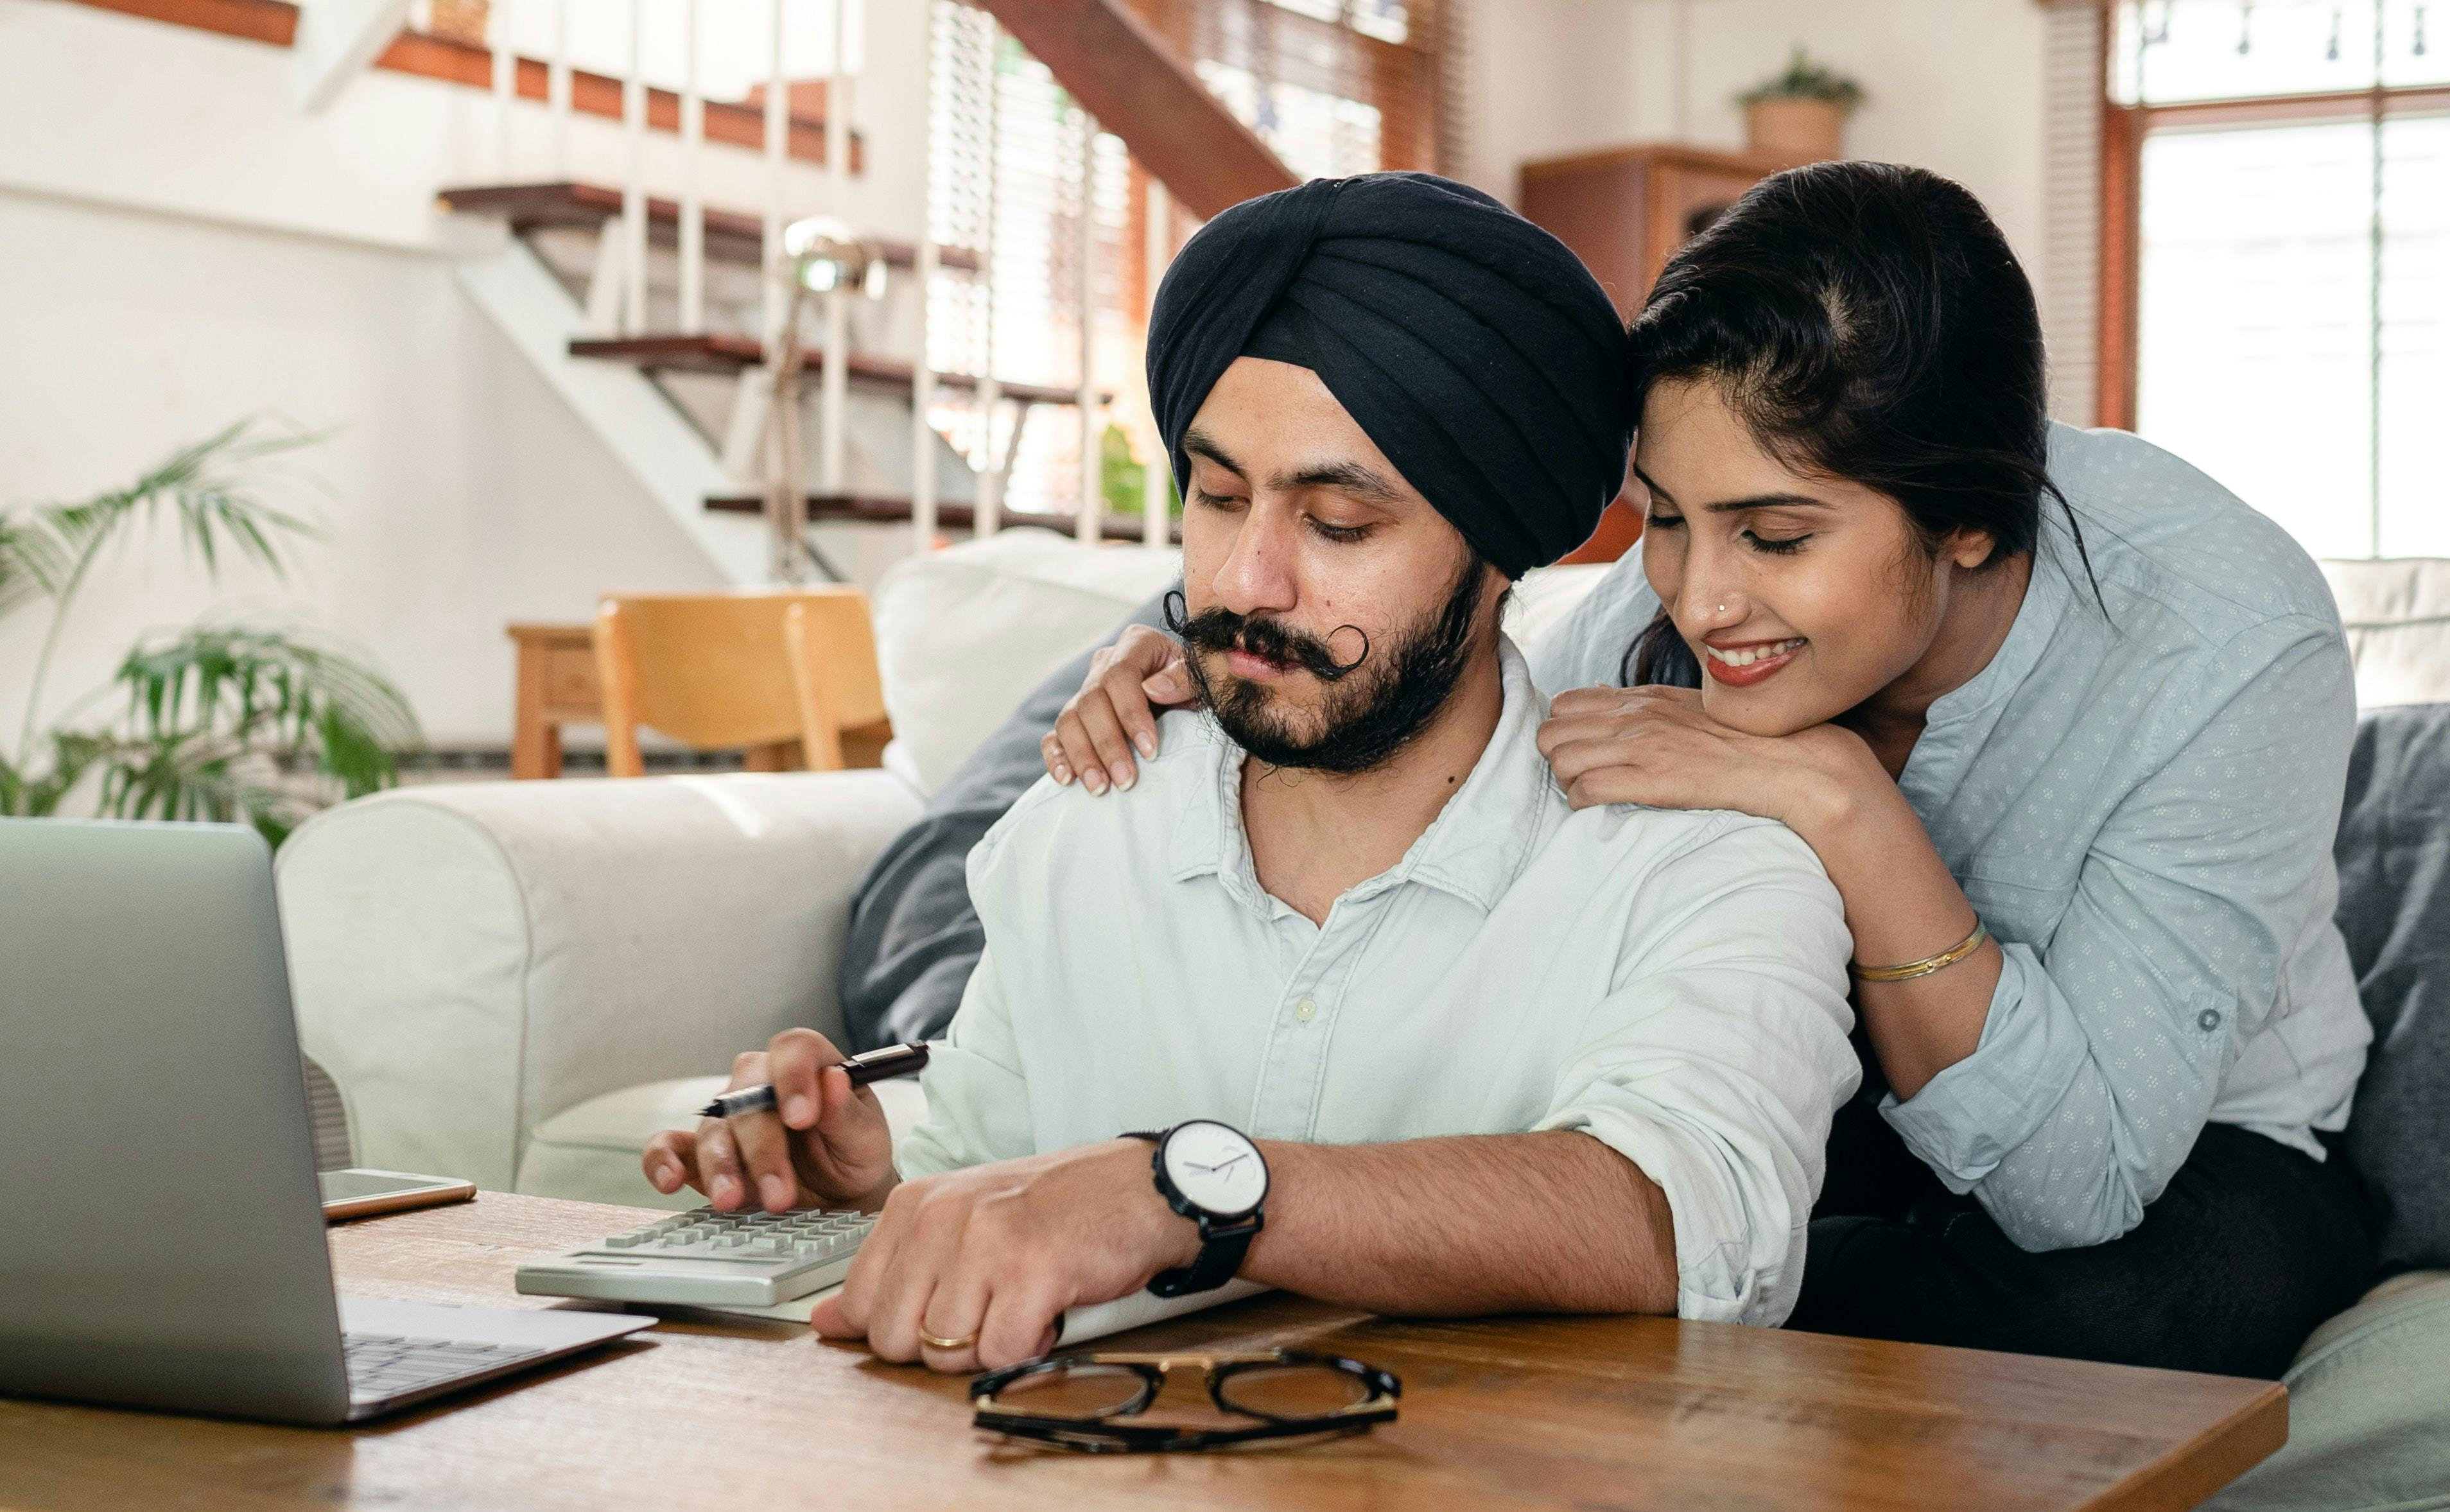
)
(1801, 115)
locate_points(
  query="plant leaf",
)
(217, 711)
(216, 487)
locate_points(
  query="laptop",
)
(162, 1234)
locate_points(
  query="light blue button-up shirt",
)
(2141, 806)
(1671, 983)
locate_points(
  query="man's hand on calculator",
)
(970, 1268)
(826, 1144)
(964, 1270)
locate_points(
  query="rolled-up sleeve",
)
(1719, 1059)
(2106, 1044)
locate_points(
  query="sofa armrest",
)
(469, 959)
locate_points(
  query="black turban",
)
(1473, 347)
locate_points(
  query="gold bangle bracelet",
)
(1929, 964)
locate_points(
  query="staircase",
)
(716, 379)
(651, 313)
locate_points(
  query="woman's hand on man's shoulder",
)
(1115, 713)
(1658, 747)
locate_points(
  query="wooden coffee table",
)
(1510, 1413)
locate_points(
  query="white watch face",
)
(1216, 1168)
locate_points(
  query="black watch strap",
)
(1221, 1248)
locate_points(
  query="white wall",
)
(138, 113)
(178, 249)
(459, 493)
(1956, 84)
(1544, 78)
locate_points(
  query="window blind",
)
(2069, 280)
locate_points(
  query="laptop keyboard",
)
(384, 1364)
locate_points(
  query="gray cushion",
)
(914, 938)
(2394, 856)
(2368, 1415)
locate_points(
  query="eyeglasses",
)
(1079, 1401)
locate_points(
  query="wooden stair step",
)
(716, 353)
(731, 236)
(874, 510)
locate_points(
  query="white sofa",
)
(519, 983)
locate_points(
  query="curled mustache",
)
(1218, 628)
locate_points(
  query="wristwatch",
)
(1212, 1174)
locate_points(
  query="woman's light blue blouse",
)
(2141, 806)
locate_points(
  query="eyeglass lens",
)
(1292, 1391)
(1089, 1391)
(1080, 1391)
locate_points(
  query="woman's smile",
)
(1749, 662)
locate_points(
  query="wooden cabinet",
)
(1625, 210)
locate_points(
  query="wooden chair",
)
(790, 676)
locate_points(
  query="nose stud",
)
(1722, 608)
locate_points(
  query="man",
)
(1416, 1037)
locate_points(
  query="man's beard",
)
(1371, 710)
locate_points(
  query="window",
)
(1334, 87)
(2291, 263)
(1026, 172)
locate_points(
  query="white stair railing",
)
(692, 228)
(556, 88)
(987, 513)
(778, 132)
(625, 300)
(1091, 501)
(834, 389)
(923, 371)
(506, 82)
(633, 181)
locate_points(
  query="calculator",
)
(753, 1258)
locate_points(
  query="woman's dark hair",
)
(1867, 321)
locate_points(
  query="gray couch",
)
(2369, 1425)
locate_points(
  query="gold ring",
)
(949, 1346)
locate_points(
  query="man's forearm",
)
(1553, 1222)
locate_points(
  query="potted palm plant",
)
(1801, 115)
(225, 719)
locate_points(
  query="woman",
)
(2067, 726)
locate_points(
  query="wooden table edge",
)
(2192, 1472)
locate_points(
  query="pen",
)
(894, 1060)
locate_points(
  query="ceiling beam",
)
(1124, 74)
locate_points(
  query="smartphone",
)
(356, 1192)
